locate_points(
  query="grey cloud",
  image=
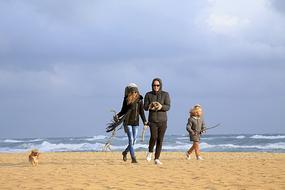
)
(120, 33)
(64, 65)
(279, 5)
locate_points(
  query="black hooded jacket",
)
(163, 98)
(136, 109)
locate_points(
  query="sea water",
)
(180, 143)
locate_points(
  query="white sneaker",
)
(148, 156)
(188, 157)
(157, 162)
(200, 158)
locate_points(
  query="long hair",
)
(132, 97)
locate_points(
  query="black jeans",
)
(157, 131)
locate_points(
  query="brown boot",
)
(125, 156)
(134, 160)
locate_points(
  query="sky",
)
(64, 64)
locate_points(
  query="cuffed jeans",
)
(132, 132)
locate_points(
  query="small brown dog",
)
(34, 157)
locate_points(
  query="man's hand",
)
(158, 106)
(155, 106)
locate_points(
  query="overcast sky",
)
(64, 64)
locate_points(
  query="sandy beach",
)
(107, 170)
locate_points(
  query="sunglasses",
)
(156, 85)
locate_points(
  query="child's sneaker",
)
(188, 157)
(200, 158)
(157, 162)
(148, 156)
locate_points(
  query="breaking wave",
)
(268, 137)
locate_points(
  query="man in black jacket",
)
(157, 102)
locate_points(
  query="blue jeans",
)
(132, 132)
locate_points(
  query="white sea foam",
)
(207, 138)
(178, 142)
(94, 138)
(144, 146)
(177, 147)
(268, 137)
(35, 140)
(12, 141)
(51, 147)
(202, 137)
(280, 145)
(125, 138)
(203, 145)
(183, 138)
(19, 141)
(222, 137)
(240, 137)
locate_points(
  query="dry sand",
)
(107, 170)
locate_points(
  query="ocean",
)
(180, 143)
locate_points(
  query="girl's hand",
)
(145, 127)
